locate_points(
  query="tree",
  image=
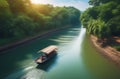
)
(23, 26)
(20, 18)
(103, 18)
(18, 6)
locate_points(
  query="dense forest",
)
(102, 19)
(21, 18)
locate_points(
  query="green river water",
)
(76, 59)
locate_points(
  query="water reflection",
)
(75, 59)
(70, 64)
(97, 65)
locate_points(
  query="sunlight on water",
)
(73, 60)
(69, 56)
(81, 36)
(28, 68)
(76, 45)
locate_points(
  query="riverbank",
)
(109, 52)
(28, 39)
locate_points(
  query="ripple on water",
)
(34, 74)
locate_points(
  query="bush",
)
(117, 47)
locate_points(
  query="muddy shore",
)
(108, 52)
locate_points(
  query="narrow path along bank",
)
(109, 52)
(28, 39)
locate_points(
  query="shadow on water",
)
(23, 56)
(16, 58)
(48, 64)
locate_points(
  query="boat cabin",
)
(46, 54)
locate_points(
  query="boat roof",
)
(49, 49)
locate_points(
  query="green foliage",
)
(44, 9)
(74, 14)
(23, 26)
(103, 18)
(5, 28)
(114, 25)
(100, 2)
(20, 18)
(16, 6)
(98, 28)
(117, 47)
(3, 4)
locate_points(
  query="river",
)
(76, 59)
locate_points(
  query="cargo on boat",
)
(46, 54)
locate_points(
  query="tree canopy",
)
(102, 19)
(21, 18)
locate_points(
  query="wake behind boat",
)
(46, 54)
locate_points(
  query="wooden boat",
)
(46, 54)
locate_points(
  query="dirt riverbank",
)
(109, 52)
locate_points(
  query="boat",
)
(46, 54)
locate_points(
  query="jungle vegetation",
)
(102, 19)
(21, 18)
